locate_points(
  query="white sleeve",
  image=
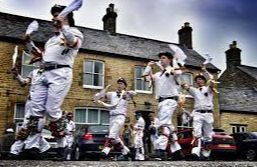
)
(192, 91)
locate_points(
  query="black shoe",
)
(12, 156)
(32, 154)
(177, 155)
(123, 158)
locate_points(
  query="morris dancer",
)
(55, 74)
(138, 131)
(203, 112)
(118, 111)
(166, 86)
(27, 126)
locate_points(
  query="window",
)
(187, 78)
(91, 116)
(182, 124)
(238, 128)
(26, 67)
(19, 113)
(140, 84)
(93, 76)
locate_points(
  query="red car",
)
(222, 146)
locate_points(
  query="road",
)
(30, 163)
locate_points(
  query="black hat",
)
(59, 9)
(200, 76)
(122, 80)
(167, 54)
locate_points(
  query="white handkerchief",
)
(179, 55)
(33, 26)
(74, 5)
(208, 59)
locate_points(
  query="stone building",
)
(104, 57)
(238, 94)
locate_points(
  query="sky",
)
(215, 23)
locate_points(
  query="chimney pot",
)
(233, 56)
(185, 35)
(109, 19)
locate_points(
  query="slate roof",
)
(13, 27)
(252, 71)
(238, 99)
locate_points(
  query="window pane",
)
(80, 115)
(138, 72)
(20, 111)
(88, 79)
(187, 78)
(146, 86)
(26, 58)
(26, 70)
(104, 117)
(99, 67)
(139, 84)
(92, 116)
(88, 67)
(98, 80)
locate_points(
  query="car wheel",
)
(251, 155)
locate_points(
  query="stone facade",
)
(238, 93)
(228, 120)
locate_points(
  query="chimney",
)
(185, 35)
(109, 19)
(233, 55)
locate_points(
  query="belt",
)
(52, 67)
(160, 99)
(204, 111)
(113, 115)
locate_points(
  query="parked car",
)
(246, 143)
(9, 137)
(89, 141)
(222, 144)
(6, 141)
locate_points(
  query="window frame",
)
(135, 82)
(98, 115)
(179, 116)
(84, 72)
(15, 112)
(241, 127)
(34, 65)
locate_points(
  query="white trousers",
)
(17, 146)
(166, 110)
(203, 125)
(116, 124)
(49, 92)
(47, 95)
(139, 146)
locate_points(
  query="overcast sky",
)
(215, 23)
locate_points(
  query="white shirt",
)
(139, 126)
(165, 86)
(202, 102)
(122, 106)
(70, 126)
(57, 53)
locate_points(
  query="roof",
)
(252, 71)
(238, 99)
(13, 27)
